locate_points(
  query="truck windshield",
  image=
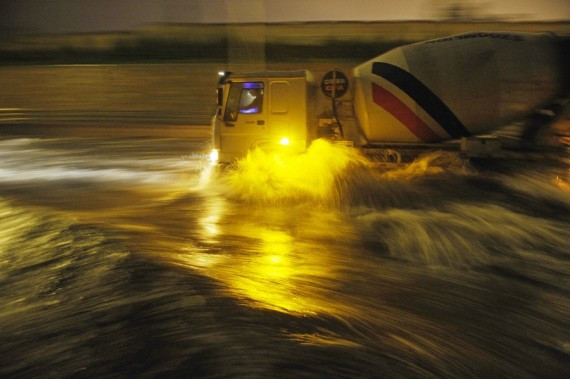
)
(244, 98)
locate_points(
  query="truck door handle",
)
(260, 122)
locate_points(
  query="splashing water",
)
(274, 176)
(432, 163)
(324, 173)
(470, 236)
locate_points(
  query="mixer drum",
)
(457, 86)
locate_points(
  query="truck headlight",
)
(214, 156)
(284, 141)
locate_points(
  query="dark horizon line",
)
(21, 32)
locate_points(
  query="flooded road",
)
(131, 257)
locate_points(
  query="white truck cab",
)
(264, 110)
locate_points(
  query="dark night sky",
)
(57, 16)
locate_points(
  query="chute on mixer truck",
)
(451, 88)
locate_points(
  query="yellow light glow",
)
(284, 141)
(275, 176)
(270, 276)
(209, 222)
(214, 156)
(267, 268)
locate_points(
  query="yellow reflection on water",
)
(278, 274)
(209, 229)
(269, 275)
(264, 265)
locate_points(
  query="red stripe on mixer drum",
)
(403, 113)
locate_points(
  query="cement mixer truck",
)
(455, 89)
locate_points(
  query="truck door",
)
(244, 117)
(287, 112)
(278, 115)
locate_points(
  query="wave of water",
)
(436, 269)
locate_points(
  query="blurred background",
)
(155, 62)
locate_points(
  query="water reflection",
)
(270, 274)
(210, 230)
(260, 259)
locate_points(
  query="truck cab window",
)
(246, 98)
(251, 99)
